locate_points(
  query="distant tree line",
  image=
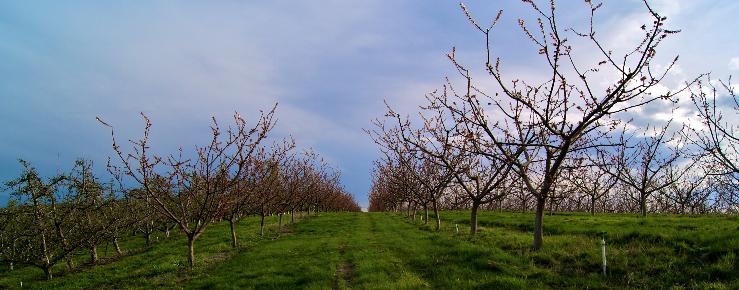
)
(562, 143)
(235, 175)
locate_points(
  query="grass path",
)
(331, 251)
(307, 256)
(363, 251)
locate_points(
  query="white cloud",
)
(669, 7)
(734, 63)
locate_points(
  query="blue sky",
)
(329, 64)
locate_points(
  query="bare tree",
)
(193, 193)
(268, 179)
(448, 146)
(648, 164)
(9, 239)
(99, 216)
(564, 114)
(242, 194)
(592, 181)
(718, 136)
(533, 128)
(688, 193)
(388, 192)
(45, 227)
(146, 217)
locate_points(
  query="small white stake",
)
(457, 227)
(603, 248)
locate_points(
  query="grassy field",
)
(388, 251)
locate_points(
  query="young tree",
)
(536, 126)
(268, 179)
(44, 228)
(194, 192)
(304, 181)
(592, 181)
(9, 251)
(450, 147)
(688, 194)
(146, 218)
(120, 222)
(648, 164)
(718, 136)
(240, 197)
(91, 204)
(389, 189)
(243, 195)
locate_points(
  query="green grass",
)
(661, 251)
(388, 251)
(163, 265)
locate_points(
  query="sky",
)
(329, 65)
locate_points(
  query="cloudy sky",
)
(329, 64)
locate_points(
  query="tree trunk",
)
(292, 216)
(473, 218)
(592, 205)
(45, 251)
(234, 243)
(65, 243)
(117, 246)
(47, 272)
(191, 251)
(438, 218)
(261, 226)
(551, 207)
(93, 254)
(68, 257)
(426, 212)
(539, 224)
(279, 224)
(147, 236)
(643, 204)
(70, 263)
(414, 214)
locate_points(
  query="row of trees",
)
(562, 142)
(47, 221)
(235, 175)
